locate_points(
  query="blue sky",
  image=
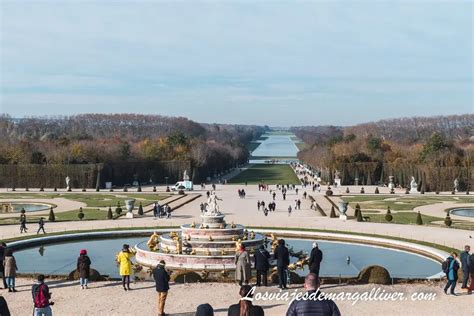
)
(280, 63)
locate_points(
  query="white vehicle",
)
(183, 185)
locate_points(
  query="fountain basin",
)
(16, 207)
(463, 211)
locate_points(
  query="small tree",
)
(419, 220)
(52, 217)
(139, 189)
(118, 209)
(357, 210)
(347, 190)
(80, 215)
(55, 189)
(388, 216)
(362, 190)
(333, 212)
(125, 189)
(41, 189)
(359, 216)
(109, 213)
(447, 221)
(140, 209)
(377, 190)
(154, 188)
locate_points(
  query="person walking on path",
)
(282, 255)
(41, 298)
(242, 266)
(471, 272)
(41, 225)
(289, 210)
(10, 268)
(84, 268)
(3, 247)
(262, 265)
(245, 306)
(315, 259)
(23, 228)
(314, 306)
(162, 279)
(465, 266)
(452, 267)
(124, 259)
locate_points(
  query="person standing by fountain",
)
(242, 266)
(41, 226)
(10, 268)
(465, 266)
(261, 257)
(315, 259)
(162, 279)
(282, 255)
(451, 267)
(3, 248)
(23, 228)
(124, 259)
(84, 268)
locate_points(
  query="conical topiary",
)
(347, 190)
(154, 188)
(118, 209)
(140, 209)
(377, 190)
(362, 190)
(333, 212)
(125, 189)
(139, 189)
(80, 215)
(448, 221)
(52, 217)
(359, 216)
(419, 220)
(407, 191)
(388, 215)
(357, 209)
(109, 213)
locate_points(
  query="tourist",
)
(245, 306)
(289, 210)
(156, 210)
(3, 247)
(258, 205)
(315, 259)
(213, 187)
(304, 195)
(168, 211)
(124, 259)
(41, 298)
(162, 279)
(265, 211)
(296, 190)
(471, 272)
(316, 306)
(83, 268)
(10, 268)
(242, 266)
(274, 195)
(451, 270)
(262, 204)
(4, 311)
(23, 228)
(41, 225)
(262, 265)
(284, 196)
(204, 310)
(464, 257)
(298, 203)
(282, 256)
(208, 194)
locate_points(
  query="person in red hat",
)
(83, 268)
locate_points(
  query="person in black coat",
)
(282, 255)
(315, 259)
(3, 246)
(262, 265)
(84, 268)
(162, 279)
(4, 311)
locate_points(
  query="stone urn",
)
(129, 204)
(343, 210)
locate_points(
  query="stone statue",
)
(185, 175)
(391, 185)
(153, 242)
(68, 183)
(456, 185)
(212, 208)
(413, 185)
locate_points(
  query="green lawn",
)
(89, 214)
(268, 174)
(401, 203)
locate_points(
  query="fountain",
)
(210, 245)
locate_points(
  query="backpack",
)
(41, 301)
(445, 265)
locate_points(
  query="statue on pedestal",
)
(456, 185)
(413, 185)
(68, 183)
(212, 208)
(185, 175)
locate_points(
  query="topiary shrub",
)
(125, 189)
(181, 192)
(407, 191)
(26, 189)
(419, 220)
(377, 190)
(13, 188)
(41, 189)
(347, 190)
(357, 209)
(84, 189)
(362, 190)
(388, 215)
(448, 221)
(118, 209)
(97, 189)
(186, 277)
(453, 192)
(51, 217)
(140, 209)
(139, 189)
(329, 192)
(437, 191)
(374, 275)
(55, 189)
(109, 213)
(333, 212)
(154, 188)
(80, 215)
(359, 216)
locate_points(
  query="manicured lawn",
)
(401, 203)
(402, 218)
(89, 214)
(268, 174)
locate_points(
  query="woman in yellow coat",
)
(124, 259)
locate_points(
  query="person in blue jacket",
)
(451, 273)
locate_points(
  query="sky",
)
(279, 63)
